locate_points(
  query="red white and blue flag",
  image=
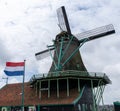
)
(14, 68)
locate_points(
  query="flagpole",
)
(23, 88)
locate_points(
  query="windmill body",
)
(65, 46)
(68, 75)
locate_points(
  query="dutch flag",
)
(14, 68)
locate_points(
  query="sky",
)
(28, 26)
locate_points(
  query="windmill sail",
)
(96, 33)
(63, 20)
(43, 54)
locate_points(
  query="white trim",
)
(19, 68)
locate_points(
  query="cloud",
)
(26, 27)
(113, 90)
(4, 53)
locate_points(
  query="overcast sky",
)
(28, 26)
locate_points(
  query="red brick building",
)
(69, 91)
(10, 98)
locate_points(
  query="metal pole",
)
(52, 58)
(57, 88)
(23, 88)
(36, 88)
(40, 89)
(94, 108)
(60, 54)
(48, 88)
(73, 53)
(78, 85)
(68, 88)
(66, 48)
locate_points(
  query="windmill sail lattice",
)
(96, 33)
(63, 20)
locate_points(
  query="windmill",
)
(68, 66)
(66, 45)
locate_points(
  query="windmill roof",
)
(10, 95)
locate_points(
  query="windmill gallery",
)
(68, 86)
